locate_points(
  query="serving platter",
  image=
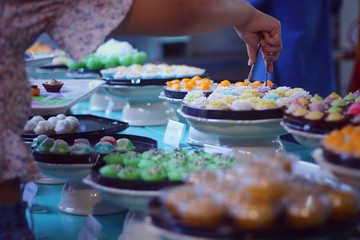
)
(73, 91)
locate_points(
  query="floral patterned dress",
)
(78, 27)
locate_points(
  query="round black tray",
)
(89, 124)
(129, 184)
(336, 230)
(180, 94)
(141, 144)
(232, 115)
(139, 81)
(313, 126)
(342, 160)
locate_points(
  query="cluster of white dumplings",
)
(59, 124)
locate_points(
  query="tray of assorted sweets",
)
(258, 199)
(240, 101)
(320, 115)
(148, 74)
(153, 169)
(62, 125)
(86, 148)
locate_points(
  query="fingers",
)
(251, 50)
(270, 47)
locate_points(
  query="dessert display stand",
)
(77, 198)
(245, 137)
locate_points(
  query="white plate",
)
(73, 91)
(239, 129)
(132, 199)
(311, 140)
(347, 175)
(65, 171)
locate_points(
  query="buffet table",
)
(50, 223)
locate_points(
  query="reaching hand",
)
(265, 30)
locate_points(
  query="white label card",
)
(173, 133)
(216, 149)
(29, 193)
(91, 229)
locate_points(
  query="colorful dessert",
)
(124, 144)
(53, 85)
(243, 96)
(60, 147)
(103, 147)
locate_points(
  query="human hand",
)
(264, 30)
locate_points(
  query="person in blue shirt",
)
(306, 60)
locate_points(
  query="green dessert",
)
(60, 147)
(114, 158)
(38, 140)
(46, 145)
(124, 144)
(131, 159)
(153, 174)
(172, 165)
(111, 170)
(129, 173)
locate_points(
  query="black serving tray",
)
(139, 185)
(331, 230)
(342, 160)
(313, 126)
(232, 115)
(180, 94)
(138, 81)
(141, 144)
(89, 124)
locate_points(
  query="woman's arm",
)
(190, 17)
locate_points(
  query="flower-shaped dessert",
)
(53, 85)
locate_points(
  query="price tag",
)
(173, 133)
(90, 229)
(216, 149)
(29, 193)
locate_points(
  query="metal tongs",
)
(268, 65)
(252, 67)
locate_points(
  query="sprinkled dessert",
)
(160, 165)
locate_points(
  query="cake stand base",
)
(79, 199)
(245, 148)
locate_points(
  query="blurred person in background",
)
(79, 27)
(307, 59)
